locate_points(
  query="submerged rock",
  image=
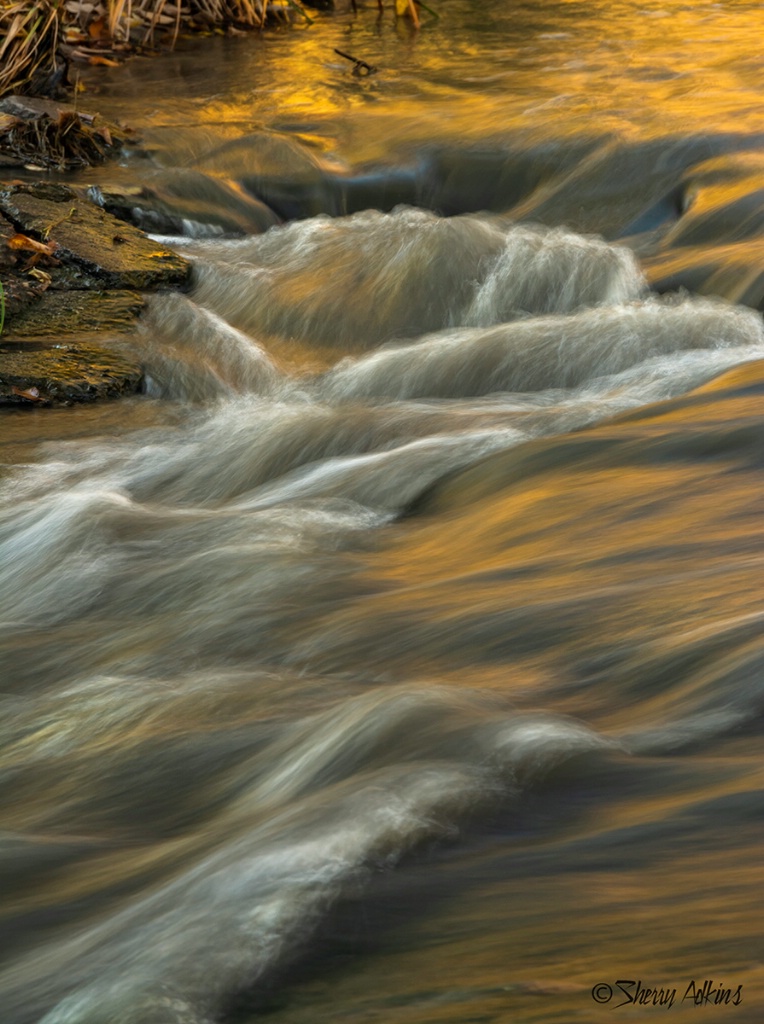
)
(187, 202)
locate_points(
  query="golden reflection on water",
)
(613, 537)
(502, 950)
(640, 69)
(612, 540)
(591, 113)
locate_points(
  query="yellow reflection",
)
(639, 69)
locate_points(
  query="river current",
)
(398, 655)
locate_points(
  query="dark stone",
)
(36, 374)
(44, 361)
(30, 107)
(183, 202)
(93, 248)
(70, 315)
(283, 174)
(81, 287)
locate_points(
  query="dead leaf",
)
(24, 243)
(32, 394)
(41, 277)
(8, 121)
(72, 34)
(97, 29)
(103, 62)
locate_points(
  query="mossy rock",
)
(39, 374)
(45, 361)
(91, 248)
(57, 315)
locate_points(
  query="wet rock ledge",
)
(70, 270)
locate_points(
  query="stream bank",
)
(70, 268)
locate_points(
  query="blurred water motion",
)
(398, 655)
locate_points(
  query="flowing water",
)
(398, 656)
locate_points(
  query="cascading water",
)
(398, 654)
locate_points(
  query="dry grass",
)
(30, 34)
(38, 37)
(37, 34)
(62, 141)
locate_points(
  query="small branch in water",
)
(360, 67)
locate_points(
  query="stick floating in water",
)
(360, 67)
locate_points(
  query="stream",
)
(398, 655)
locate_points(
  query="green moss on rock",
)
(92, 248)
